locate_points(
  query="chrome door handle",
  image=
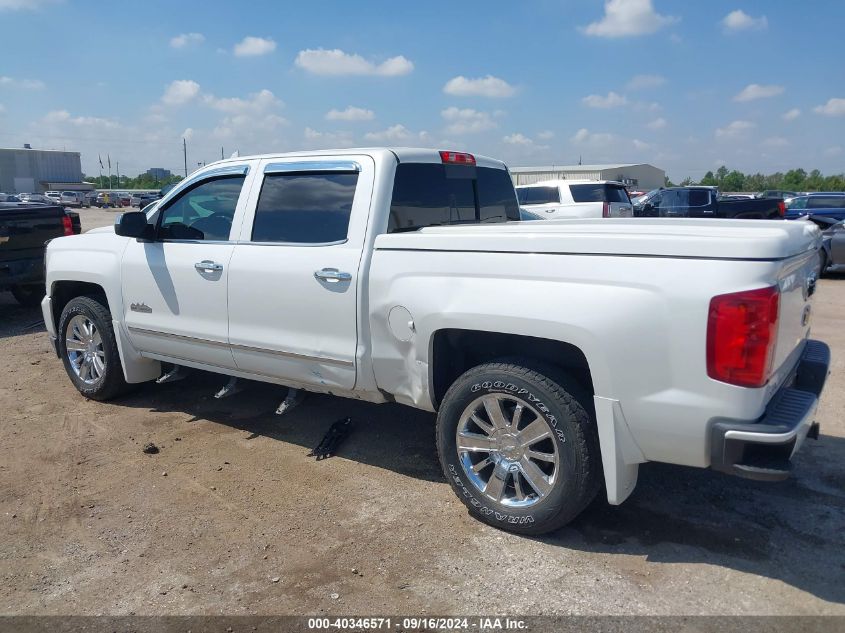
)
(332, 275)
(208, 266)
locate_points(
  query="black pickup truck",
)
(704, 202)
(24, 229)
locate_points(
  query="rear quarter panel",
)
(640, 322)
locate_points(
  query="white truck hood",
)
(661, 237)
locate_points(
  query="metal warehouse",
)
(25, 170)
(637, 175)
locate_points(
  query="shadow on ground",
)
(792, 531)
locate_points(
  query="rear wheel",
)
(88, 349)
(518, 446)
(29, 296)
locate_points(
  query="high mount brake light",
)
(741, 336)
(457, 158)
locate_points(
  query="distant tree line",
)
(793, 180)
(143, 181)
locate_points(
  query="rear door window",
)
(826, 202)
(431, 194)
(538, 195)
(598, 192)
(304, 208)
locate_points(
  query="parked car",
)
(832, 252)
(72, 198)
(39, 198)
(108, 200)
(556, 199)
(776, 193)
(704, 202)
(24, 228)
(400, 275)
(141, 200)
(124, 198)
(55, 196)
(828, 205)
(9, 197)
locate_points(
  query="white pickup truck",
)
(558, 355)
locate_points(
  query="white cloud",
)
(739, 20)
(351, 113)
(2, 108)
(658, 124)
(188, 134)
(517, 139)
(835, 150)
(791, 115)
(612, 100)
(467, 120)
(734, 129)
(488, 86)
(25, 5)
(180, 92)
(184, 40)
(640, 145)
(627, 18)
(776, 141)
(585, 137)
(26, 84)
(758, 91)
(252, 46)
(394, 133)
(545, 135)
(642, 82)
(63, 116)
(317, 139)
(833, 107)
(336, 62)
(255, 103)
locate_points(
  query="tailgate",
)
(23, 230)
(796, 280)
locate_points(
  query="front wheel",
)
(88, 349)
(518, 446)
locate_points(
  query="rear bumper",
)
(762, 449)
(21, 271)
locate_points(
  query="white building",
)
(636, 175)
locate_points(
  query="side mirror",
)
(133, 224)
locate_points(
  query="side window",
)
(699, 197)
(496, 198)
(203, 211)
(304, 208)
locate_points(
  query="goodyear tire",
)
(518, 444)
(88, 349)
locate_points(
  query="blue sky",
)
(686, 86)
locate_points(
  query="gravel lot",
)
(232, 517)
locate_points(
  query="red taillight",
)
(605, 209)
(457, 158)
(67, 224)
(781, 208)
(741, 336)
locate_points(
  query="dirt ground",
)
(232, 517)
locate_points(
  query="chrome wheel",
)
(507, 450)
(85, 351)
